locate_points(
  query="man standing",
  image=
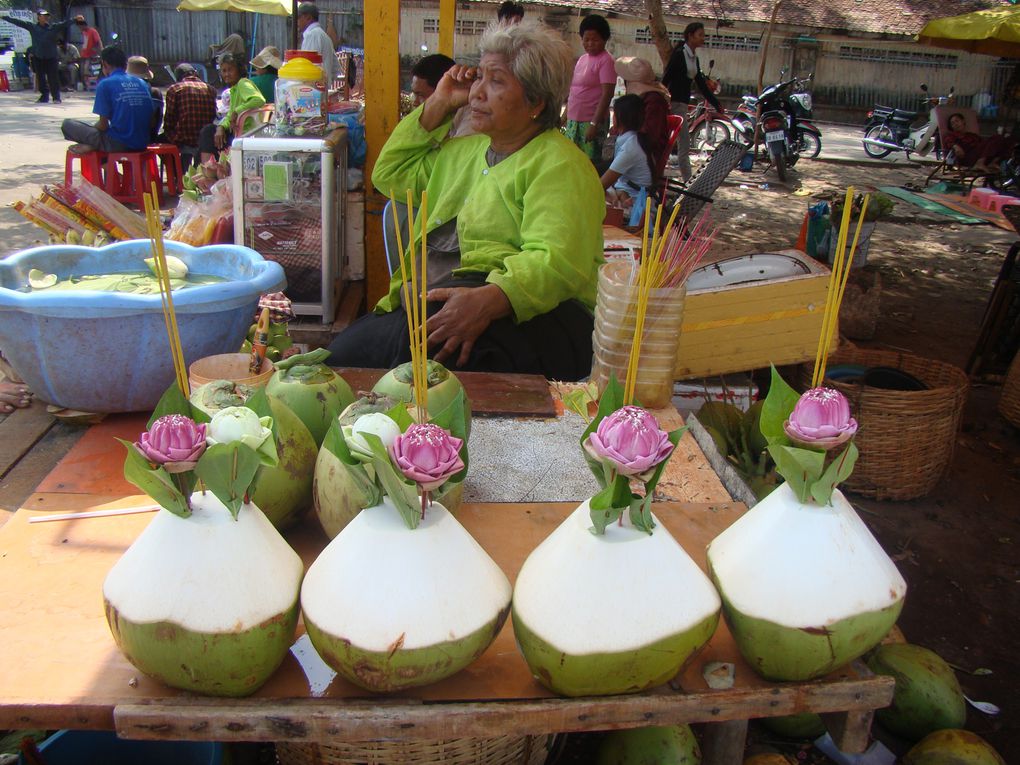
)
(314, 37)
(91, 44)
(44, 51)
(124, 106)
(190, 106)
(682, 70)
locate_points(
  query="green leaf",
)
(750, 424)
(578, 399)
(603, 511)
(400, 415)
(800, 467)
(173, 401)
(369, 493)
(452, 419)
(155, 482)
(228, 471)
(402, 492)
(776, 409)
(837, 472)
(336, 444)
(641, 513)
(258, 402)
(724, 420)
(674, 438)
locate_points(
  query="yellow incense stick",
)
(155, 231)
(404, 287)
(413, 305)
(833, 286)
(423, 354)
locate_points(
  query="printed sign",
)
(20, 38)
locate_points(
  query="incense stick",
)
(833, 286)
(93, 514)
(155, 231)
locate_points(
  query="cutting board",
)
(491, 395)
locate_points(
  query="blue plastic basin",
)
(95, 747)
(108, 351)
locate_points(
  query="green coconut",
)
(952, 747)
(206, 603)
(443, 387)
(338, 490)
(805, 588)
(284, 492)
(803, 725)
(928, 695)
(666, 745)
(313, 391)
(390, 607)
(613, 613)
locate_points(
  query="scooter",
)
(892, 130)
(785, 129)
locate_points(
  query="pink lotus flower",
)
(174, 441)
(630, 440)
(821, 420)
(427, 454)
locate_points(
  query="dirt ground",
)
(957, 547)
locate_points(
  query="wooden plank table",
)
(61, 669)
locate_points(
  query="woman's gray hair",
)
(539, 58)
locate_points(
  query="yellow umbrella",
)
(995, 32)
(272, 7)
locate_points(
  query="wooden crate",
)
(748, 326)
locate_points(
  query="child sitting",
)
(633, 166)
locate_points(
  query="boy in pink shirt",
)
(591, 89)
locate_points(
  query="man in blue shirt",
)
(124, 107)
(44, 50)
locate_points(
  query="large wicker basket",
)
(906, 438)
(503, 750)
(1009, 403)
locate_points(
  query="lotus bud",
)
(377, 424)
(630, 441)
(427, 454)
(239, 423)
(174, 441)
(176, 267)
(821, 420)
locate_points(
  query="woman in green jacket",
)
(514, 219)
(244, 95)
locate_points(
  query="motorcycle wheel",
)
(779, 160)
(710, 134)
(879, 133)
(810, 144)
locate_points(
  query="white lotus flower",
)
(239, 423)
(376, 423)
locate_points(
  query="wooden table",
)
(61, 669)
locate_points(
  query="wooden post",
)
(761, 73)
(447, 21)
(382, 80)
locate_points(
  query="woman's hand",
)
(220, 139)
(590, 132)
(467, 312)
(451, 93)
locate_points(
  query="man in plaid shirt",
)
(190, 106)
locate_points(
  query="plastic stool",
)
(979, 197)
(170, 170)
(129, 175)
(5, 84)
(996, 203)
(90, 166)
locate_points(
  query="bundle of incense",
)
(841, 264)
(666, 264)
(155, 231)
(414, 298)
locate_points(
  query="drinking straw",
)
(835, 276)
(155, 231)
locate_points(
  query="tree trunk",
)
(658, 29)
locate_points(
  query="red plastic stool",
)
(129, 174)
(170, 171)
(5, 84)
(90, 166)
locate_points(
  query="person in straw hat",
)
(139, 67)
(640, 80)
(266, 66)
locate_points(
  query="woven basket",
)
(504, 750)
(1009, 404)
(906, 438)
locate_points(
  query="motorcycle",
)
(890, 130)
(782, 121)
